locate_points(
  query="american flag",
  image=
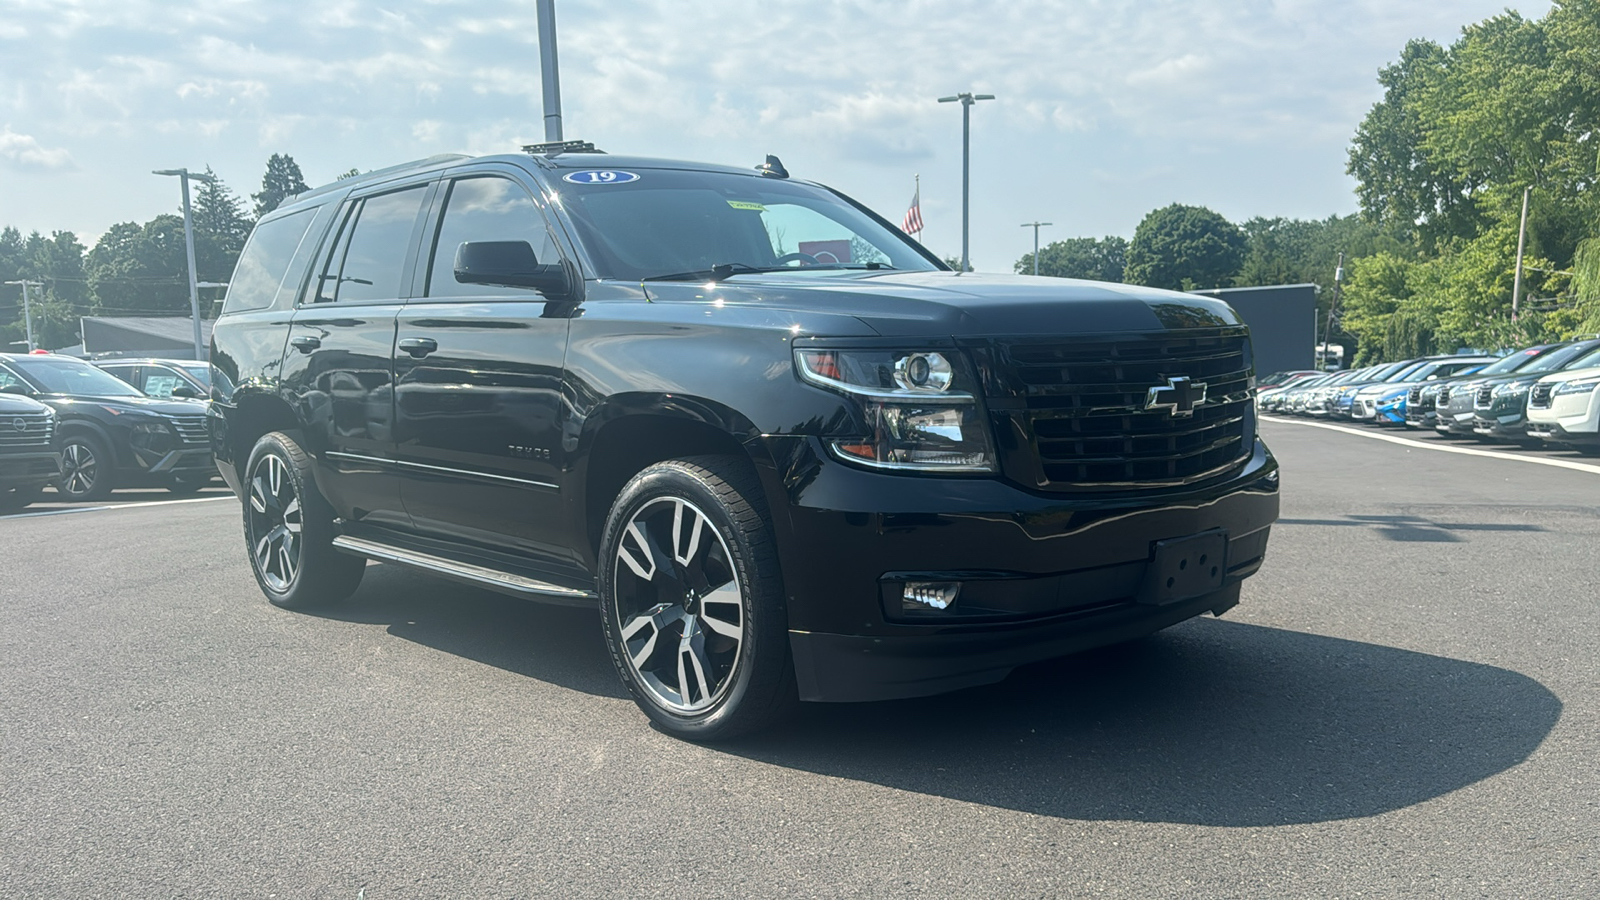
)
(913, 220)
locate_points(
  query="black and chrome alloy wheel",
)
(679, 605)
(78, 468)
(274, 517)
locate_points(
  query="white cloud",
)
(22, 151)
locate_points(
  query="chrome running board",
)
(494, 579)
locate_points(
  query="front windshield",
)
(1512, 362)
(1406, 372)
(1588, 361)
(672, 222)
(1556, 359)
(75, 379)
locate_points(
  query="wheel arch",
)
(66, 427)
(252, 416)
(627, 433)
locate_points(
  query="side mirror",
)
(509, 264)
(18, 389)
(185, 392)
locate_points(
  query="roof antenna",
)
(773, 168)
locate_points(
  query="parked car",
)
(1314, 401)
(1453, 406)
(1391, 395)
(108, 433)
(28, 460)
(783, 448)
(1420, 404)
(1339, 402)
(1500, 406)
(1564, 407)
(165, 379)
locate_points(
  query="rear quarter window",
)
(263, 267)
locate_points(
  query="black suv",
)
(28, 460)
(784, 449)
(109, 434)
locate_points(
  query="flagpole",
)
(917, 194)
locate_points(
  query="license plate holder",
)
(1184, 568)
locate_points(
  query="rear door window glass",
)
(486, 208)
(369, 257)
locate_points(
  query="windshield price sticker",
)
(600, 176)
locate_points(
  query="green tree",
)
(137, 268)
(58, 298)
(1097, 259)
(281, 181)
(1184, 247)
(954, 262)
(220, 230)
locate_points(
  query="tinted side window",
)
(369, 262)
(264, 265)
(485, 209)
(126, 373)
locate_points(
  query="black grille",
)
(1485, 396)
(1443, 397)
(191, 429)
(1080, 409)
(36, 431)
(1414, 396)
(1539, 398)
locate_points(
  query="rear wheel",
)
(692, 600)
(87, 469)
(288, 529)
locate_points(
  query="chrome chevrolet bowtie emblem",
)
(1179, 396)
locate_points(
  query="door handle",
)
(305, 343)
(418, 347)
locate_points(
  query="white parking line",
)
(84, 509)
(1443, 448)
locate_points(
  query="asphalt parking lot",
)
(1406, 702)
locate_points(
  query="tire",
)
(189, 483)
(289, 532)
(88, 470)
(19, 496)
(726, 678)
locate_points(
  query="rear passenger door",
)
(338, 366)
(478, 381)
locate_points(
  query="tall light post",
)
(549, 73)
(1036, 226)
(967, 100)
(188, 244)
(27, 311)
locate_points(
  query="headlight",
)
(1581, 386)
(1510, 389)
(920, 408)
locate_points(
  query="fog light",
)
(921, 595)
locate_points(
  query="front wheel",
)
(288, 529)
(87, 469)
(692, 600)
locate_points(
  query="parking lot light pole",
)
(188, 244)
(967, 100)
(27, 311)
(1036, 226)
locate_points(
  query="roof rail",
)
(556, 148)
(426, 162)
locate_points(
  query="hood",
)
(1571, 374)
(917, 304)
(131, 404)
(11, 404)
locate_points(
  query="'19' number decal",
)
(600, 176)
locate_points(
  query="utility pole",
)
(549, 75)
(188, 245)
(1036, 226)
(27, 310)
(967, 100)
(1327, 333)
(1522, 234)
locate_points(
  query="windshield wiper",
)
(723, 271)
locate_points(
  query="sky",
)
(1104, 111)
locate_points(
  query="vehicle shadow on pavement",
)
(556, 644)
(1413, 528)
(1208, 723)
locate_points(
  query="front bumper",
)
(1511, 426)
(1555, 433)
(29, 469)
(1043, 574)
